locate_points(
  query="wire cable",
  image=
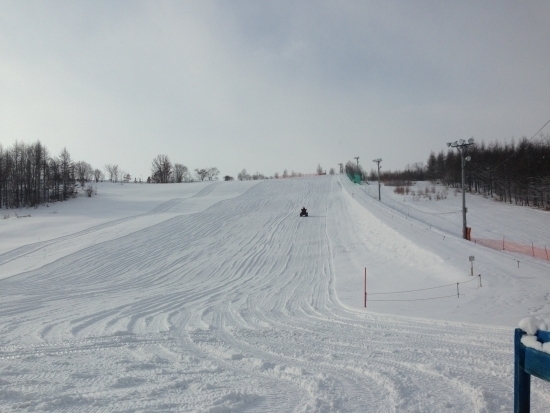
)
(507, 159)
(420, 299)
(411, 291)
(423, 289)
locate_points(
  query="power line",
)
(539, 130)
(532, 137)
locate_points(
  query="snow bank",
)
(530, 325)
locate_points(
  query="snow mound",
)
(531, 324)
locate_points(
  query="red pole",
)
(546, 252)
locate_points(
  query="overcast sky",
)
(269, 85)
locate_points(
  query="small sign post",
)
(472, 259)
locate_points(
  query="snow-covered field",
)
(217, 297)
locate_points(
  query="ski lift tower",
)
(462, 146)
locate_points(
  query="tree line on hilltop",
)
(163, 171)
(245, 176)
(510, 172)
(30, 175)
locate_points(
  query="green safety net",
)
(355, 178)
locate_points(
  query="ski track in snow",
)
(233, 308)
(24, 251)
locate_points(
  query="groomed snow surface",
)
(218, 297)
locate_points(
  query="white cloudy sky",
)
(269, 85)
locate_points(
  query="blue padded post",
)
(522, 380)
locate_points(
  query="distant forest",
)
(515, 173)
(30, 175)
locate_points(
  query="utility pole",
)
(378, 163)
(462, 146)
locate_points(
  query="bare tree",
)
(201, 173)
(212, 173)
(319, 169)
(124, 176)
(98, 175)
(258, 176)
(161, 169)
(243, 176)
(83, 172)
(116, 172)
(112, 170)
(108, 168)
(66, 167)
(180, 172)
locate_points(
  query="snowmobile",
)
(303, 213)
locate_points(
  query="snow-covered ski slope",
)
(218, 297)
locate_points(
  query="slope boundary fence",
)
(496, 244)
(300, 175)
(457, 294)
(504, 245)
